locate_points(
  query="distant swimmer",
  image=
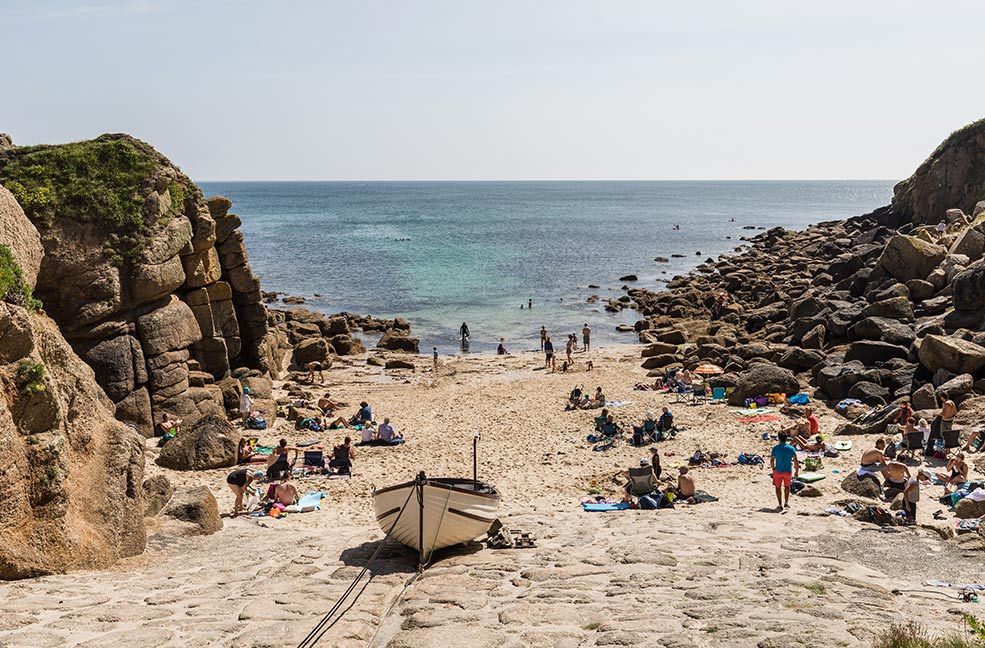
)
(676, 227)
(530, 303)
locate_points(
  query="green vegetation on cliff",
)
(106, 181)
(12, 286)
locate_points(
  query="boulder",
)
(655, 362)
(396, 363)
(896, 308)
(119, 365)
(869, 352)
(346, 345)
(907, 257)
(260, 387)
(970, 243)
(197, 507)
(951, 353)
(391, 341)
(210, 443)
(920, 289)
(762, 379)
(799, 359)
(884, 330)
(924, 398)
(861, 486)
(335, 326)
(312, 350)
(968, 287)
(170, 327)
(157, 493)
(814, 338)
(19, 234)
(658, 348)
(957, 386)
(869, 393)
(967, 508)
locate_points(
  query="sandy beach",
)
(730, 572)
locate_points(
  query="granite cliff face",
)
(148, 281)
(70, 474)
(953, 177)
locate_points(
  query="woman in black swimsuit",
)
(959, 471)
(277, 463)
(238, 481)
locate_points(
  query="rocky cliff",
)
(70, 474)
(953, 177)
(148, 281)
(853, 308)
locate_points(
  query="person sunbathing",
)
(368, 434)
(874, 459)
(386, 434)
(665, 424)
(813, 443)
(610, 428)
(600, 420)
(685, 483)
(342, 457)
(286, 492)
(645, 431)
(897, 475)
(326, 405)
(975, 441)
(246, 454)
(599, 400)
(958, 472)
(364, 415)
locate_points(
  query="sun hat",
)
(246, 390)
(644, 462)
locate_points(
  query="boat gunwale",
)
(436, 483)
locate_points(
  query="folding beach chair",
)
(911, 443)
(313, 459)
(718, 395)
(641, 481)
(700, 394)
(684, 394)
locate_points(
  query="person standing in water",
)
(543, 337)
(586, 336)
(530, 304)
(464, 331)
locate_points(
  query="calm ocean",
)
(440, 253)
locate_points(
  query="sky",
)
(505, 90)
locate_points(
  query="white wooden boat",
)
(439, 512)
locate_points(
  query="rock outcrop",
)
(71, 473)
(212, 442)
(147, 279)
(877, 308)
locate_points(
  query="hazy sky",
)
(313, 89)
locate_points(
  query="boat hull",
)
(454, 511)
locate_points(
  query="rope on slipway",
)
(323, 625)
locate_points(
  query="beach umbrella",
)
(709, 369)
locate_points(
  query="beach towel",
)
(311, 501)
(811, 477)
(937, 583)
(617, 403)
(762, 418)
(757, 411)
(701, 497)
(263, 450)
(862, 472)
(843, 445)
(599, 507)
(965, 526)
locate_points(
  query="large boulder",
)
(210, 443)
(196, 507)
(869, 352)
(168, 328)
(799, 359)
(867, 486)
(17, 233)
(71, 472)
(908, 257)
(951, 353)
(312, 350)
(896, 308)
(884, 330)
(924, 398)
(968, 287)
(967, 508)
(393, 341)
(158, 491)
(763, 379)
(970, 242)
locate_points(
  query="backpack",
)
(309, 424)
(750, 459)
(255, 423)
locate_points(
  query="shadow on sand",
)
(395, 558)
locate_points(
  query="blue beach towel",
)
(311, 501)
(597, 507)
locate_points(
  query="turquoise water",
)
(440, 253)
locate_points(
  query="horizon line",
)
(564, 180)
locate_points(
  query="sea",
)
(445, 253)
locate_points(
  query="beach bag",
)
(800, 399)
(831, 452)
(762, 401)
(813, 463)
(310, 424)
(649, 503)
(255, 423)
(750, 459)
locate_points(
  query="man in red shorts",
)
(783, 461)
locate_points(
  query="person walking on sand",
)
(568, 348)
(543, 337)
(586, 337)
(911, 495)
(548, 353)
(464, 332)
(785, 466)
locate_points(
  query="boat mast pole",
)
(475, 461)
(420, 519)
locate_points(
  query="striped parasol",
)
(709, 369)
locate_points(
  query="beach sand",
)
(731, 572)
